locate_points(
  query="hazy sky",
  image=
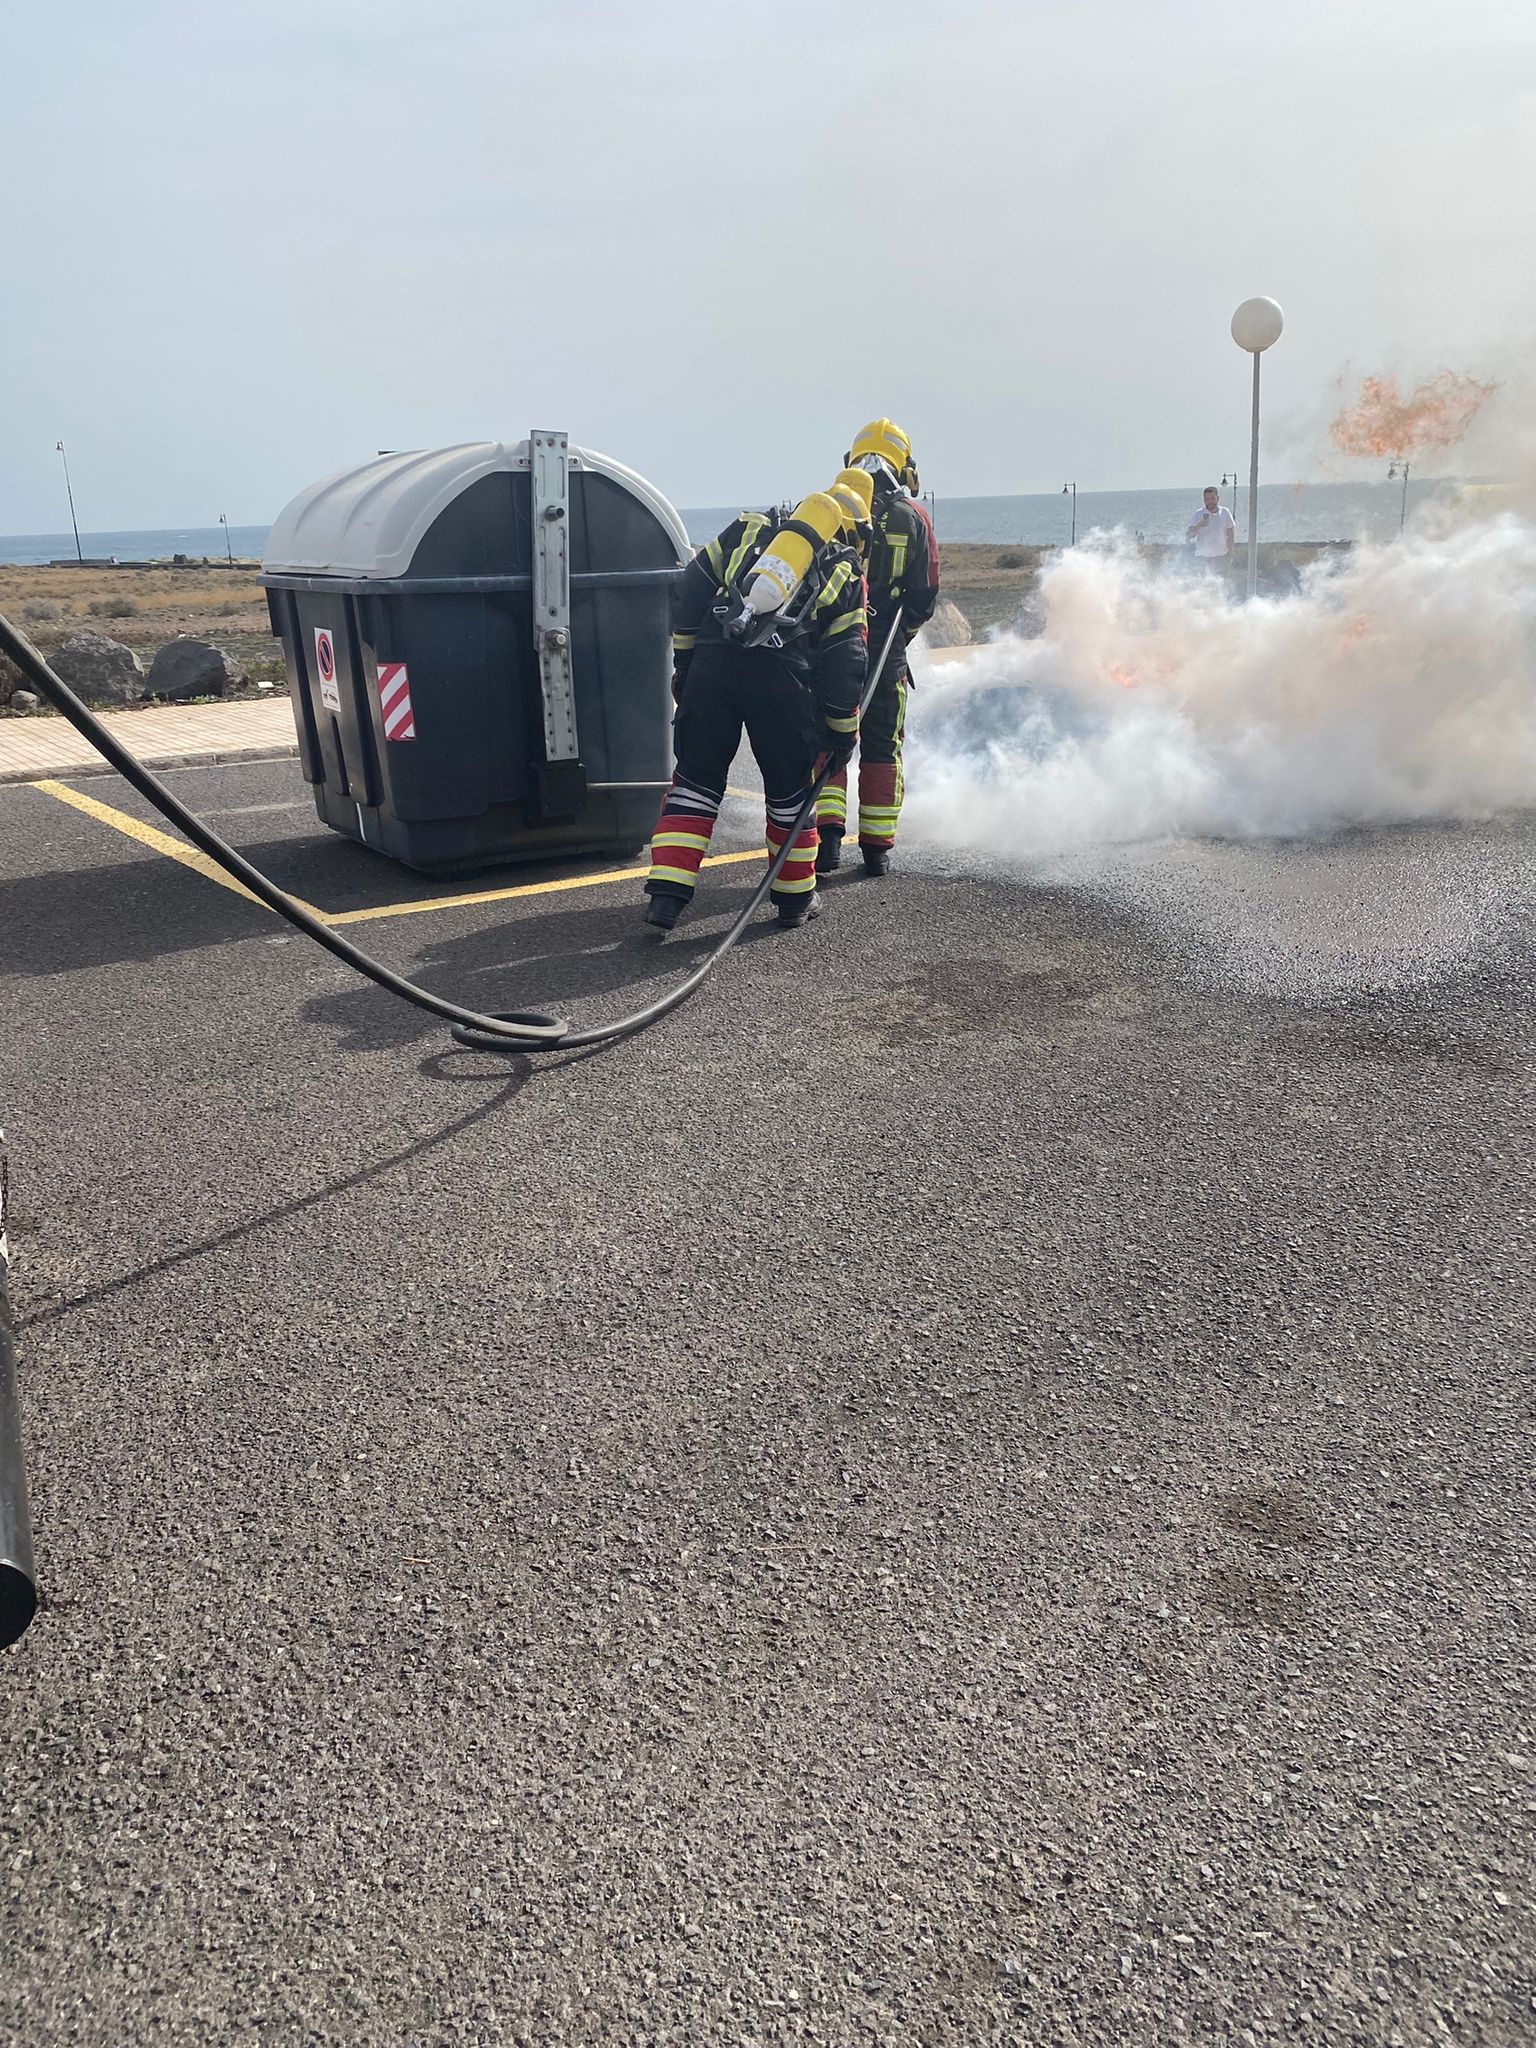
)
(246, 245)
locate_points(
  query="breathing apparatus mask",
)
(904, 479)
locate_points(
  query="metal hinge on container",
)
(561, 782)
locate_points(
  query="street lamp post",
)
(1256, 326)
(1073, 489)
(69, 487)
(229, 551)
(1401, 465)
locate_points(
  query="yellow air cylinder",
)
(782, 565)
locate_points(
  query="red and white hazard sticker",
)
(395, 701)
(325, 669)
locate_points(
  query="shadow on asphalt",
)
(78, 918)
(337, 874)
(70, 919)
(442, 1069)
(96, 917)
(546, 962)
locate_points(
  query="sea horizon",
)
(1287, 512)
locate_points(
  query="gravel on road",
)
(972, 1488)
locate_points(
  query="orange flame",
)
(1152, 670)
(1435, 415)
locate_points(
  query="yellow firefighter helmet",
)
(854, 514)
(862, 486)
(882, 441)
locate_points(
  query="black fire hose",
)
(524, 1031)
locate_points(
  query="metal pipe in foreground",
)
(18, 1582)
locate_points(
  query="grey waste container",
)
(479, 652)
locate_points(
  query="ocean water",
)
(148, 546)
(1286, 512)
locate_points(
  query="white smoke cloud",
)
(1398, 685)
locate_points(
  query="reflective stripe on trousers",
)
(882, 779)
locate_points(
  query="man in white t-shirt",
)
(1214, 533)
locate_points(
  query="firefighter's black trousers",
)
(727, 688)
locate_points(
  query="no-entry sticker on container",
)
(325, 669)
(395, 701)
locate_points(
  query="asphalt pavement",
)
(972, 1487)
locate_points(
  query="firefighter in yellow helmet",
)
(903, 580)
(858, 530)
(858, 486)
(767, 633)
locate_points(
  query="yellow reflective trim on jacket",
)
(847, 623)
(843, 724)
(834, 586)
(752, 526)
(711, 554)
(682, 643)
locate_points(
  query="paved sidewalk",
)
(169, 736)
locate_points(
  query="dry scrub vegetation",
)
(989, 581)
(143, 608)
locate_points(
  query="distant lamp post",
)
(1073, 489)
(229, 551)
(1400, 468)
(70, 489)
(1256, 325)
(1231, 482)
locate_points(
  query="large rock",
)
(191, 668)
(100, 670)
(949, 627)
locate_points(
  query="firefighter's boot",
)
(798, 911)
(664, 911)
(829, 853)
(877, 859)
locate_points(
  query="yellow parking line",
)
(200, 864)
(717, 860)
(156, 840)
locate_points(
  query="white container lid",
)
(369, 521)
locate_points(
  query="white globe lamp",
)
(1257, 325)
